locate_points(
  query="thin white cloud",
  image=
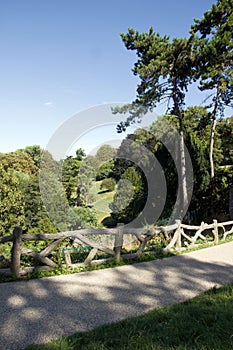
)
(48, 104)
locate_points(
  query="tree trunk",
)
(212, 147)
(183, 194)
(211, 154)
(118, 242)
(16, 251)
(183, 172)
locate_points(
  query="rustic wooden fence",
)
(178, 236)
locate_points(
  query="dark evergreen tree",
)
(129, 198)
(34, 209)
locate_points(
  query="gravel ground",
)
(38, 311)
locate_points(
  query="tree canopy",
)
(11, 202)
(166, 67)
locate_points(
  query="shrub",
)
(86, 217)
(108, 184)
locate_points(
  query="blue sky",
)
(59, 57)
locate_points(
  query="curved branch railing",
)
(178, 236)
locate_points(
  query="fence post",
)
(176, 239)
(118, 242)
(16, 251)
(231, 204)
(178, 232)
(215, 231)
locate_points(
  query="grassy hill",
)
(101, 201)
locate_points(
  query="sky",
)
(61, 57)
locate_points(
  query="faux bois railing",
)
(178, 236)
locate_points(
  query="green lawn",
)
(205, 322)
(101, 201)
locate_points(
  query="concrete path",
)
(40, 310)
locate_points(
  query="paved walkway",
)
(40, 310)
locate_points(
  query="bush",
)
(86, 217)
(108, 184)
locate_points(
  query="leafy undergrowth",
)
(149, 256)
(205, 322)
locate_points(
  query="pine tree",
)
(214, 60)
(165, 69)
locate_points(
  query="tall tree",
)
(70, 172)
(165, 69)
(35, 152)
(105, 153)
(105, 161)
(214, 61)
(225, 129)
(129, 198)
(11, 202)
(86, 176)
(18, 161)
(34, 210)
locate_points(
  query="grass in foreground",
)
(205, 322)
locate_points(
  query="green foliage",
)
(105, 170)
(165, 68)
(34, 209)
(148, 139)
(215, 51)
(214, 55)
(70, 171)
(166, 161)
(197, 130)
(132, 175)
(197, 126)
(18, 161)
(35, 152)
(105, 153)
(86, 217)
(121, 164)
(225, 132)
(47, 163)
(128, 200)
(55, 201)
(223, 183)
(44, 225)
(87, 174)
(11, 202)
(80, 154)
(108, 184)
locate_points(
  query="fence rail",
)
(177, 237)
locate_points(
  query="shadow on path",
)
(40, 310)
